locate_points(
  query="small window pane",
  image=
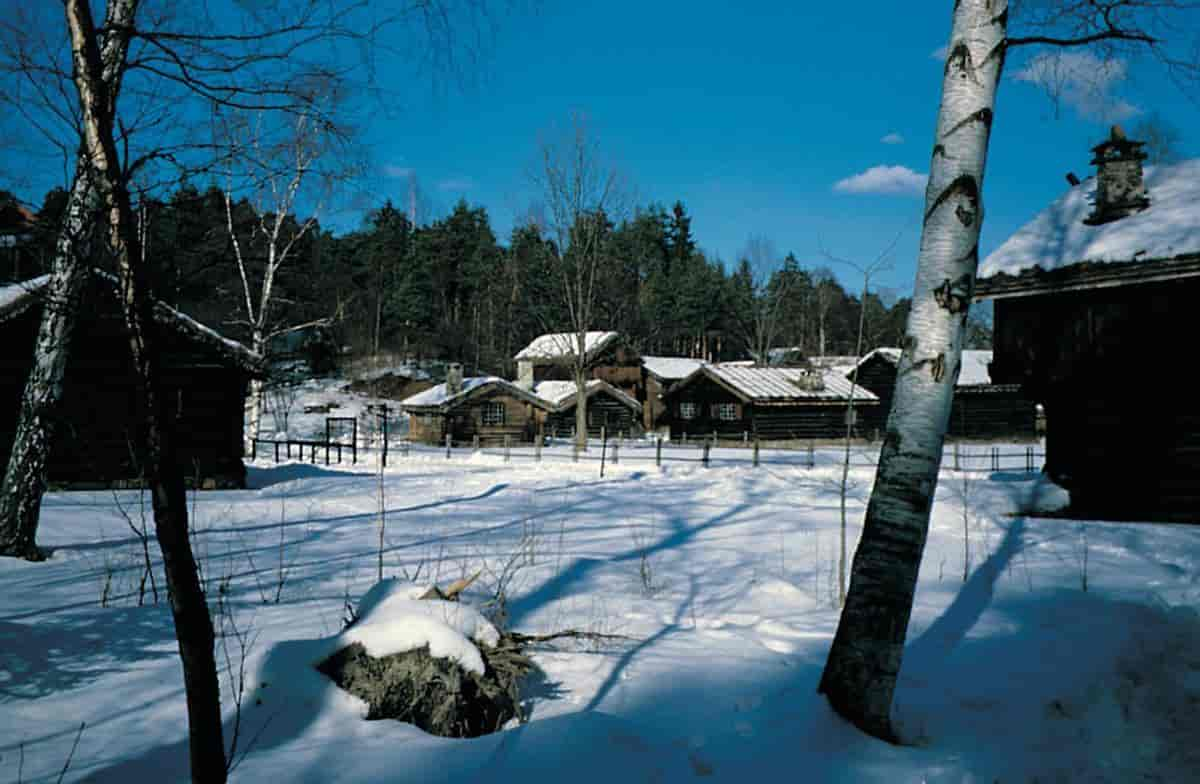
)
(727, 412)
(493, 414)
(687, 410)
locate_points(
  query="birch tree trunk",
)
(193, 625)
(860, 675)
(581, 429)
(24, 480)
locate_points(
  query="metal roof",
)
(771, 385)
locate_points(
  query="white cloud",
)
(893, 138)
(890, 180)
(456, 185)
(1082, 81)
(397, 172)
(940, 53)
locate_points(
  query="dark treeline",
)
(452, 290)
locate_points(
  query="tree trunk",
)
(581, 429)
(25, 477)
(860, 675)
(193, 625)
(256, 392)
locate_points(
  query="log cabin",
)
(659, 374)
(618, 413)
(485, 406)
(981, 409)
(1091, 299)
(97, 443)
(776, 404)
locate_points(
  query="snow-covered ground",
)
(724, 580)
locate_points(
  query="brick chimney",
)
(454, 378)
(1119, 187)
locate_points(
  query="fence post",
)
(704, 458)
(475, 442)
(385, 434)
(812, 461)
(995, 459)
(404, 448)
(354, 446)
(537, 448)
(574, 449)
(616, 451)
(507, 447)
(658, 453)
(1029, 460)
(756, 453)
(276, 451)
(449, 442)
(603, 448)
(685, 438)
(956, 462)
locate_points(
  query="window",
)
(727, 412)
(493, 414)
(688, 410)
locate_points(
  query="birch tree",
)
(24, 479)
(276, 172)
(582, 195)
(860, 674)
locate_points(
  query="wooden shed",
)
(485, 406)
(1092, 297)
(608, 407)
(768, 403)
(981, 409)
(98, 444)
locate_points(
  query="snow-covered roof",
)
(889, 353)
(440, 397)
(671, 368)
(841, 365)
(560, 346)
(1058, 237)
(781, 385)
(561, 394)
(975, 368)
(15, 297)
(974, 364)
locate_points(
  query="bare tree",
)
(860, 674)
(272, 164)
(867, 271)
(765, 297)
(582, 193)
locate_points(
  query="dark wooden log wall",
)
(99, 441)
(465, 421)
(603, 410)
(1122, 429)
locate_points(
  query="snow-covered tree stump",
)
(415, 654)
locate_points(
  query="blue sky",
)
(751, 116)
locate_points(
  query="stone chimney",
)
(525, 374)
(1119, 187)
(454, 378)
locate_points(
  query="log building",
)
(486, 406)
(98, 441)
(1091, 299)
(607, 407)
(769, 403)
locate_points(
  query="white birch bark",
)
(25, 476)
(860, 675)
(24, 480)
